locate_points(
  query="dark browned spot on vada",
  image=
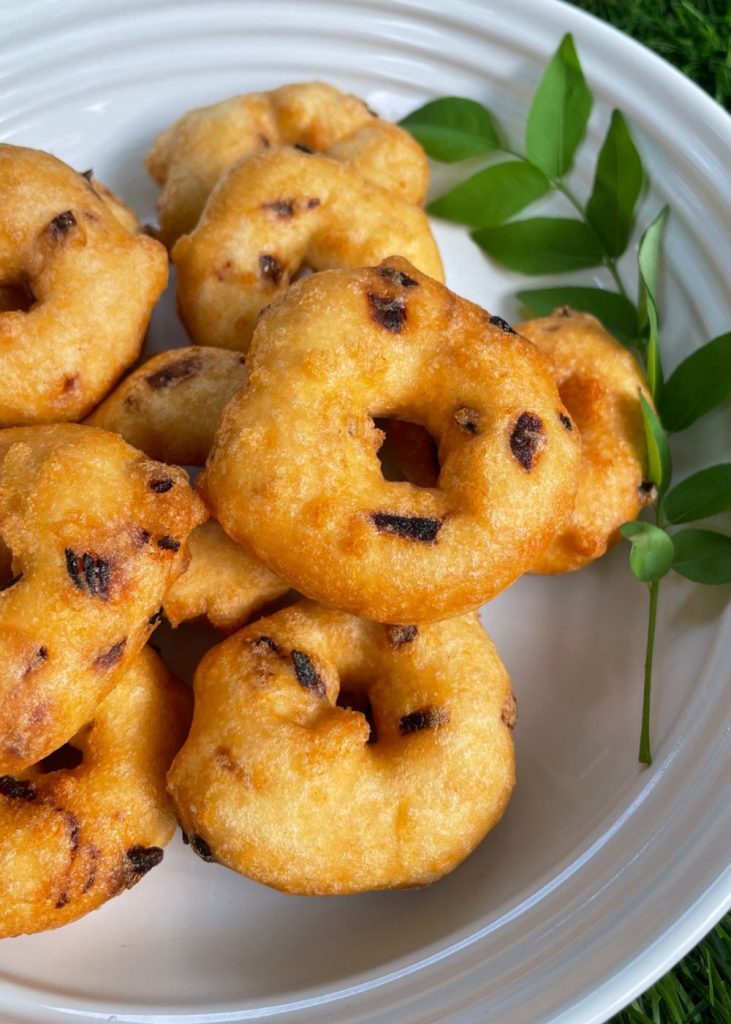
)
(17, 789)
(467, 419)
(7, 584)
(497, 321)
(420, 528)
(509, 713)
(648, 492)
(62, 224)
(89, 573)
(283, 208)
(527, 439)
(387, 312)
(270, 269)
(168, 543)
(424, 718)
(398, 276)
(264, 645)
(201, 847)
(144, 858)
(161, 484)
(307, 675)
(181, 370)
(566, 421)
(109, 658)
(400, 635)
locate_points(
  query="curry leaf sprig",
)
(596, 235)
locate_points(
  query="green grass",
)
(695, 35)
(697, 991)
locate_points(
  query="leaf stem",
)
(609, 262)
(645, 755)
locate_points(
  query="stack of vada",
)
(360, 736)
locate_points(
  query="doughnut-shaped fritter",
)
(293, 474)
(78, 290)
(599, 382)
(73, 837)
(170, 406)
(280, 783)
(223, 583)
(188, 158)
(273, 214)
(97, 533)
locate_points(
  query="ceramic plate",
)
(601, 874)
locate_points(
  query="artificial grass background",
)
(695, 35)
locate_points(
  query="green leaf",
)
(698, 385)
(617, 186)
(649, 260)
(616, 312)
(541, 245)
(493, 195)
(658, 450)
(703, 494)
(654, 364)
(652, 552)
(559, 112)
(453, 128)
(703, 556)
(649, 264)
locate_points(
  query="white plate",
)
(601, 874)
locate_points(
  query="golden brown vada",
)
(600, 383)
(170, 406)
(77, 290)
(73, 837)
(293, 474)
(97, 533)
(273, 214)
(190, 156)
(283, 778)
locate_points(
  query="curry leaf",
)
(617, 186)
(703, 556)
(541, 245)
(493, 195)
(453, 128)
(559, 112)
(698, 385)
(705, 493)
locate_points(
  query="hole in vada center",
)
(357, 700)
(65, 758)
(408, 453)
(15, 297)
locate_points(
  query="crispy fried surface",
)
(223, 583)
(95, 542)
(273, 214)
(121, 210)
(599, 382)
(70, 839)
(77, 290)
(170, 406)
(189, 158)
(279, 783)
(294, 475)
